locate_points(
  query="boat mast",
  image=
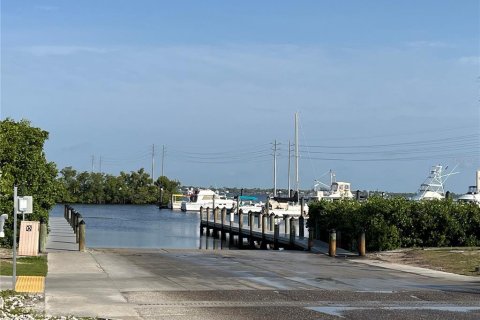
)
(297, 184)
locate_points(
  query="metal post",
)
(14, 271)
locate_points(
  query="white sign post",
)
(22, 205)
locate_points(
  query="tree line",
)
(23, 164)
(136, 187)
(397, 222)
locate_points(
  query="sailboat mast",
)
(297, 183)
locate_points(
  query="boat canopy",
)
(248, 198)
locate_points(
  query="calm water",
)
(130, 226)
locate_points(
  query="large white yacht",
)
(473, 194)
(433, 187)
(206, 198)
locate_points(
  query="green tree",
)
(23, 164)
(168, 187)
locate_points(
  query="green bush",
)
(397, 222)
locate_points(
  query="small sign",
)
(25, 204)
(29, 228)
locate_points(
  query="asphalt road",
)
(247, 284)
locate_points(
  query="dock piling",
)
(332, 245)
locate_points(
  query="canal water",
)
(141, 226)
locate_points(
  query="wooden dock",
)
(261, 230)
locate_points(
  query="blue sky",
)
(384, 89)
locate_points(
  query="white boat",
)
(250, 204)
(176, 200)
(433, 187)
(289, 208)
(206, 198)
(338, 189)
(473, 194)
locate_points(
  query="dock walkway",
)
(260, 230)
(61, 236)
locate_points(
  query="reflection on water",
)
(131, 226)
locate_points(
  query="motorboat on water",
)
(473, 194)
(206, 198)
(433, 186)
(250, 204)
(289, 208)
(175, 202)
(337, 190)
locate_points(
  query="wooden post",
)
(301, 226)
(240, 228)
(43, 235)
(201, 221)
(332, 245)
(207, 222)
(230, 234)
(276, 234)
(215, 220)
(224, 214)
(302, 206)
(272, 221)
(77, 228)
(286, 219)
(292, 233)
(81, 242)
(361, 244)
(251, 217)
(264, 229)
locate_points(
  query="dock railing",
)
(77, 223)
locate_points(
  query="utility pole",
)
(93, 163)
(275, 168)
(297, 182)
(163, 158)
(153, 163)
(100, 167)
(289, 157)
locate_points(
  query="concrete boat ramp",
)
(244, 284)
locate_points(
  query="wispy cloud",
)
(428, 44)
(61, 50)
